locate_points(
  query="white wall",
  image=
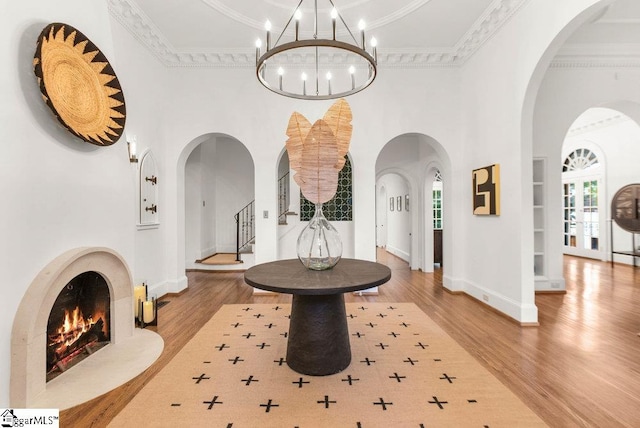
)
(398, 222)
(499, 86)
(58, 193)
(193, 205)
(234, 172)
(144, 81)
(208, 204)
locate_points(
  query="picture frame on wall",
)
(399, 202)
(391, 203)
(406, 202)
(486, 190)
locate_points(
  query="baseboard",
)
(399, 253)
(525, 314)
(452, 285)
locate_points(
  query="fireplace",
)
(92, 283)
(79, 323)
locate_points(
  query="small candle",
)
(148, 314)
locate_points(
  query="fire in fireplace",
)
(79, 323)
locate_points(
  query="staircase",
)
(245, 228)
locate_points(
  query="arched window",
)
(579, 160)
(340, 207)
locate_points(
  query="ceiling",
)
(409, 32)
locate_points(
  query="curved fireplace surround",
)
(130, 352)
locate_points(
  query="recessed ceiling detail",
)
(135, 20)
(400, 9)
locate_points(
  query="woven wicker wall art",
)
(79, 85)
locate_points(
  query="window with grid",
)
(437, 201)
(340, 207)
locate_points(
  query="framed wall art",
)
(486, 190)
(399, 203)
(406, 202)
(391, 203)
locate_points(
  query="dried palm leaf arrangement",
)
(317, 154)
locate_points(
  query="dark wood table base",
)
(318, 343)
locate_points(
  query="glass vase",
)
(319, 244)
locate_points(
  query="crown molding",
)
(486, 26)
(603, 55)
(614, 119)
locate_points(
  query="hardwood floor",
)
(579, 368)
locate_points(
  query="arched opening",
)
(599, 156)
(406, 168)
(560, 89)
(218, 184)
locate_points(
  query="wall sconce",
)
(153, 208)
(131, 146)
(153, 179)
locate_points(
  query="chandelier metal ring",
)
(311, 43)
(316, 55)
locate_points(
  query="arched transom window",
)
(579, 160)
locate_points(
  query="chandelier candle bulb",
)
(280, 73)
(298, 16)
(329, 82)
(334, 17)
(361, 26)
(258, 46)
(304, 83)
(374, 45)
(352, 71)
(267, 26)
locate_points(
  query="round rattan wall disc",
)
(625, 208)
(79, 85)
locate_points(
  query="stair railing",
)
(245, 231)
(283, 198)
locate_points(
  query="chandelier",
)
(332, 63)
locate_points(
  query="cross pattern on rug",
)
(405, 372)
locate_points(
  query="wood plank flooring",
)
(579, 368)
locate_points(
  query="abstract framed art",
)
(486, 190)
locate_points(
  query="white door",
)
(583, 223)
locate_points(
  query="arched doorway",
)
(408, 164)
(218, 183)
(599, 157)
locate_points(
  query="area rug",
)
(220, 259)
(405, 372)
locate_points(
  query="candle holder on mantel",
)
(145, 311)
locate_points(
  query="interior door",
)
(582, 218)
